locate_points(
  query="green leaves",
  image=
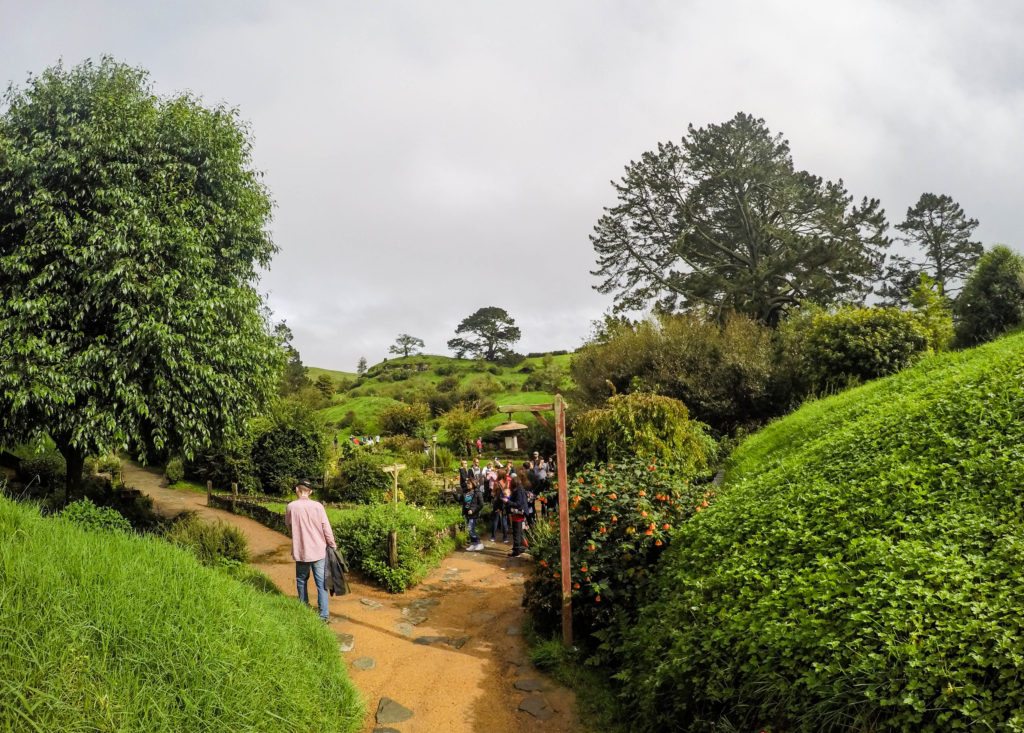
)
(131, 229)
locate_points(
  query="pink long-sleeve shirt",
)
(311, 530)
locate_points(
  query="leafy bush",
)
(621, 520)
(360, 479)
(87, 515)
(458, 425)
(404, 419)
(210, 542)
(859, 572)
(109, 464)
(49, 467)
(853, 345)
(992, 300)
(446, 369)
(418, 488)
(174, 471)
(934, 311)
(727, 375)
(641, 424)
(448, 384)
(293, 447)
(424, 538)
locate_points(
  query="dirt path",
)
(449, 650)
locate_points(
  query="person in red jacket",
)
(311, 536)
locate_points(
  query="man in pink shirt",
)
(311, 536)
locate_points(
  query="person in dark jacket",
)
(517, 505)
(472, 504)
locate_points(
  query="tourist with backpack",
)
(499, 507)
(517, 506)
(471, 506)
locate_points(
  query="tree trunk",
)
(74, 458)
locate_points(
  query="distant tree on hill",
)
(493, 332)
(406, 345)
(722, 221)
(325, 385)
(937, 227)
(361, 366)
(132, 229)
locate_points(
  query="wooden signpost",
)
(394, 470)
(559, 406)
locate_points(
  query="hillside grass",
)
(114, 632)
(863, 569)
(376, 393)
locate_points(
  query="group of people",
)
(510, 493)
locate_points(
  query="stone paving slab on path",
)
(472, 600)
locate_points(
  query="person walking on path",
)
(311, 536)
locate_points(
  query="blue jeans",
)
(499, 520)
(302, 583)
(471, 526)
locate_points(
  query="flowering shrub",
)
(621, 520)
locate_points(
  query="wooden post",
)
(234, 497)
(559, 406)
(393, 549)
(209, 492)
(394, 471)
(563, 521)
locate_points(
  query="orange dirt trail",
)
(460, 681)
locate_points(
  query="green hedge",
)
(425, 537)
(116, 632)
(860, 572)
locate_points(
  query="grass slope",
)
(376, 392)
(104, 632)
(862, 571)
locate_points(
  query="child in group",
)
(471, 506)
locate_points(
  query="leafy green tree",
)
(723, 222)
(548, 377)
(325, 386)
(132, 228)
(492, 332)
(293, 377)
(292, 447)
(402, 419)
(458, 427)
(938, 228)
(934, 311)
(406, 345)
(992, 301)
(361, 366)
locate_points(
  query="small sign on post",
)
(394, 470)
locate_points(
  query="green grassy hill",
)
(116, 632)
(863, 570)
(414, 378)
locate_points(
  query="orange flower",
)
(642, 493)
(613, 496)
(649, 532)
(576, 586)
(580, 479)
(597, 599)
(651, 467)
(643, 514)
(698, 509)
(595, 508)
(704, 503)
(666, 526)
(583, 568)
(543, 563)
(657, 543)
(602, 530)
(555, 574)
(614, 519)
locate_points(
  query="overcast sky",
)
(429, 158)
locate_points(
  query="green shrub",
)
(860, 570)
(118, 632)
(448, 384)
(49, 467)
(87, 515)
(446, 369)
(728, 375)
(424, 538)
(641, 424)
(210, 542)
(992, 300)
(293, 447)
(404, 419)
(621, 520)
(109, 464)
(418, 488)
(854, 345)
(934, 311)
(360, 479)
(458, 425)
(174, 471)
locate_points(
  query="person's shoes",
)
(479, 546)
(504, 542)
